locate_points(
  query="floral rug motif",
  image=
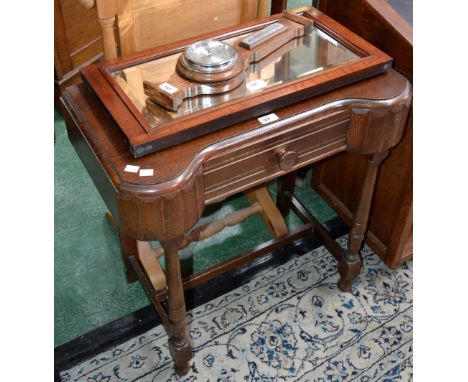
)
(291, 323)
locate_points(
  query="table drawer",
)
(252, 162)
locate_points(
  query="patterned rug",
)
(289, 324)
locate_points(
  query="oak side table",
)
(367, 117)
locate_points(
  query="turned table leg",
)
(351, 266)
(179, 344)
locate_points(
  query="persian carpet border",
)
(290, 323)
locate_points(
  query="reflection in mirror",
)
(313, 53)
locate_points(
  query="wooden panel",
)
(144, 24)
(81, 25)
(82, 31)
(378, 23)
(77, 42)
(339, 178)
(62, 59)
(181, 19)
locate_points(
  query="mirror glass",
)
(313, 53)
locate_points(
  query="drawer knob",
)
(286, 159)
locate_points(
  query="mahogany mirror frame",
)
(143, 139)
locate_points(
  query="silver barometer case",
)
(210, 56)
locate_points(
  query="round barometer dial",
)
(210, 56)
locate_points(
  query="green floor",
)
(90, 286)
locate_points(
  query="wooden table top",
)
(175, 164)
